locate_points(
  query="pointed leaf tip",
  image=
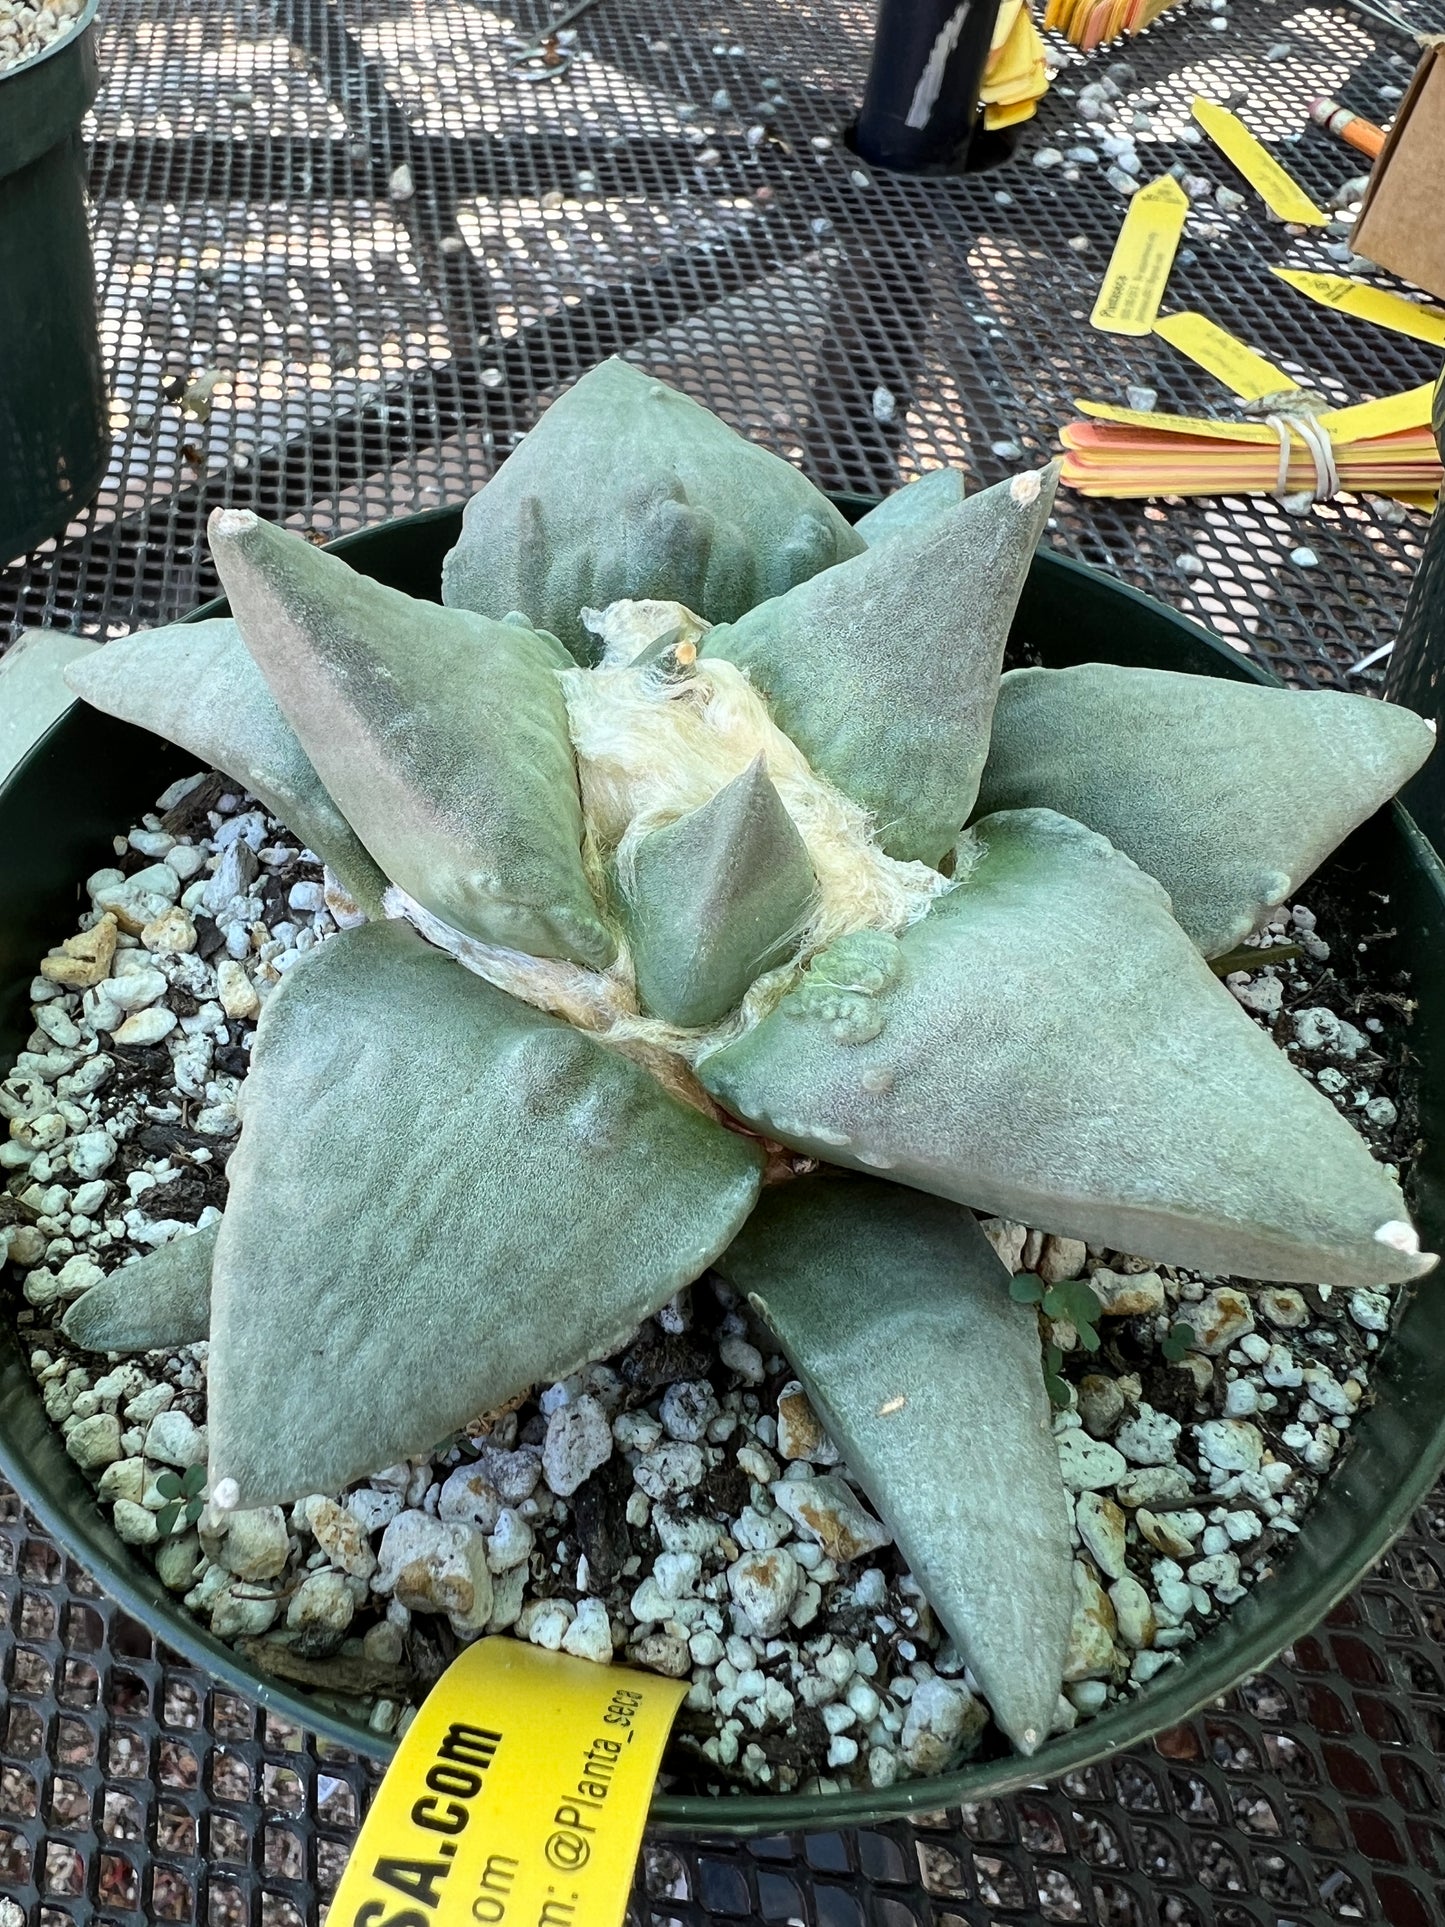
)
(228, 523)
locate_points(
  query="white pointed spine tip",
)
(1399, 1236)
(1025, 489)
(226, 1495)
(1028, 1740)
(233, 521)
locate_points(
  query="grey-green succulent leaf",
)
(156, 1304)
(1047, 1044)
(441, 735)
(1229, 794)
(440, 1197)
(896, 1314)
(884, 670)
(196, 684)
(715, 899)
(626, 488)
(913, 506)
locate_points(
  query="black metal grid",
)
(379, 350)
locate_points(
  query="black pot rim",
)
(1212, 1669)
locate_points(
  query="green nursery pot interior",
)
(91, 777)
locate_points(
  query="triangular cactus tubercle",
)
(1143, 1111)
(160, 1302)
(896, 1313)
(715, 899)
(197, 684)
(442, 735)
(884, 670)
(627, 488)
(1231, 795)
(459, 1181)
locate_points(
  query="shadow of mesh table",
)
(393, 252)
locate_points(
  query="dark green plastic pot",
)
(92, 777)
(54, 411)
(1415, 674)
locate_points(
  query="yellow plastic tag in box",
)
(1138, 269)
(518, 1794)
(1224, 355)
(1213, 431)
(1386, 310)
(1259, 167)
(1391, 415)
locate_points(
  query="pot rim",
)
(1212, 1669)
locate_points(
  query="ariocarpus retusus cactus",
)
(695, 830)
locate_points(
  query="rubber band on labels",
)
(518, 1795)
(1317, 446)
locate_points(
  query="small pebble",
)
(1089, 1464)
(763, 1586)
(579, 1439)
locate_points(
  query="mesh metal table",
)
(394, 251)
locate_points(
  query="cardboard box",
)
(1401, 225)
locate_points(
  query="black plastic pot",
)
(1415, 674)
(54, 411)
(921, 101)
(91, 777)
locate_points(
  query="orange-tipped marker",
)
(1362, 134)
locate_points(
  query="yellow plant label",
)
(1179, 424)
(1258, 166)
(1224, 355)
(1388, 416)
(1004, 24)
(1143, 255)
(517, 1794)
(1386, 310)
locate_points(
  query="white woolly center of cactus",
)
(652, 749)
(652, 746)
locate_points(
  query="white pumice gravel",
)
(27, 27)
(679, 1506)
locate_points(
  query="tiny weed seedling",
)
(1074, 1299)
(1178, 1342)
(185, 1493)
